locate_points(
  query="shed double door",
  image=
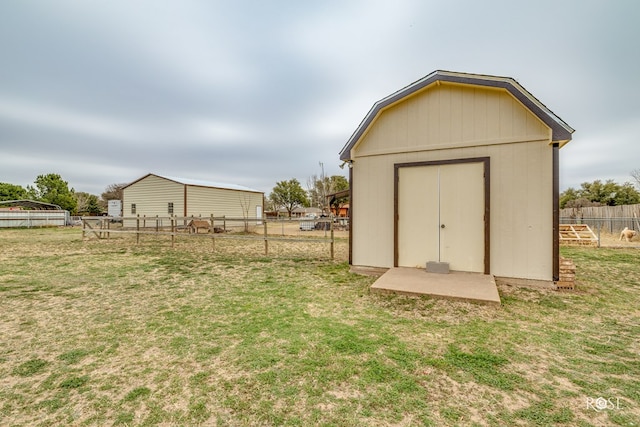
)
(441, 216)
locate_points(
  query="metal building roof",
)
(31, 204)
(561, 131)
(200, 183)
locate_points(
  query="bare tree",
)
(321, 187)
(88, 204)
(245, 204)
(113, 192)
(635, 174)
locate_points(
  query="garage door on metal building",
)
(440, 212)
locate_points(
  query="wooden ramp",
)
(577, 234)
(470, 287)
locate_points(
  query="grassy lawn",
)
(110, 333)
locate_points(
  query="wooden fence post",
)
(331, 228)
(173, 231)
(213, 233)
(266, 240)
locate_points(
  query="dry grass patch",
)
(112, 333)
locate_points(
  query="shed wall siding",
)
(205, 201)
(448, 116)
(486, 123)
(152, 196)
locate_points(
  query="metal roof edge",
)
(137, 180)
(199, 183)
(31, 203)
(212, 184)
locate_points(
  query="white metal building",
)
(154, 195)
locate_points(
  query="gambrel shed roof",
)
(561, 131)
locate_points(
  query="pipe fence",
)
(307, 230)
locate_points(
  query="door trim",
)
(487, 201)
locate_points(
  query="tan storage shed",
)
(457, 168)
(154, 195)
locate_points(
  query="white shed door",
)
(441, 216)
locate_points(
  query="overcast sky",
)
(255, 92)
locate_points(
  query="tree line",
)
(53, 189)
(289, 195)
(598, 193)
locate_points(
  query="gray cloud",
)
(257, 92)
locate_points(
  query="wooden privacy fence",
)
(256, 229)
(611, 218)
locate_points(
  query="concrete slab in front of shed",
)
(473, 287)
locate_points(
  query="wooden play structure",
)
(577, 234)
